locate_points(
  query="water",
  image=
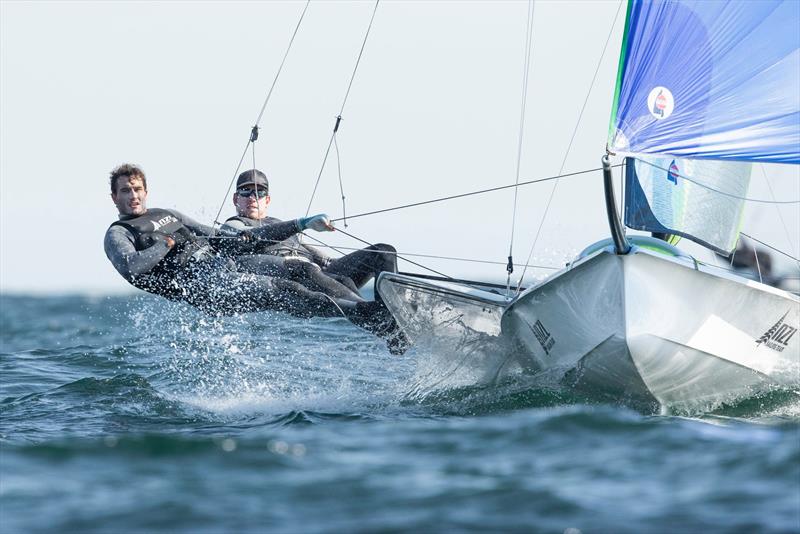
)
(130, 414)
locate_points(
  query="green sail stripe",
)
(620, 71)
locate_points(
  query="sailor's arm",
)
(120, 250)
(278, 231)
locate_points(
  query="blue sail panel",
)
(710, 80)
(697, 199)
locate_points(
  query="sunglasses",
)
(247, 192)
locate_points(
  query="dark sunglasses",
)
(247, 192)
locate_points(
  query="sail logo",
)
(660, 102)
(543, 336)
(673, 173)
(778, 336)
(163, 221)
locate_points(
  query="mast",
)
(621, 245)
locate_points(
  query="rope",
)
(340, 249)
(344, 101)
(471, 193)
(569, 147)
(341, 185)
(731, 195)
(526, 70)
(398, 255)
(254, 130)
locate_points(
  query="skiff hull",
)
(649, 331)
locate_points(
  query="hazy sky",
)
(434, 110)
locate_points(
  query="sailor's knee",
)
(384, 247)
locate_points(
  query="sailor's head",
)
(252, 194)
(129, 189)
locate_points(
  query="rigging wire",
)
(526, 70)
(780, 215)
(471, 193)
(779, 251)
(758, 265)
(254, 129)
(341, 111)
(398, 255)
(341, 186)
(569, 147)
(339, 249)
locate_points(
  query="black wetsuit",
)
(275, 254)
(193, 272)
(353, 270)
(281, 253)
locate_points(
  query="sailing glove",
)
(320, 223)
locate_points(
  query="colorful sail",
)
(710, 80)
(698, 199)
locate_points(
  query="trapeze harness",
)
(290, 247)
(156, 225)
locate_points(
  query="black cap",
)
(253, 177)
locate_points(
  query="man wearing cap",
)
(169, 254)
(281, 239)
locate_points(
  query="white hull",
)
(643, 329)
(456, 326)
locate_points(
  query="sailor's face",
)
(252, 206)
(130, 196)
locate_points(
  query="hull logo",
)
(543, 336)
(778, 336)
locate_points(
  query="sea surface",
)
(132, 414)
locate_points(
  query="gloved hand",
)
(320, 223)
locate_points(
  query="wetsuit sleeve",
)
(277, 231)
(120, 249)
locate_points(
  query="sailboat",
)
(704, 90)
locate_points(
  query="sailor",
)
(169, 254)
(282, 247)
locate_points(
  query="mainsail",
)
(704, 89)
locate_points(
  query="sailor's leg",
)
(362, 265)
(345, 281)
(265, 264)
(310, 275)
(226, 292)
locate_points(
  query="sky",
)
(434, 110)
